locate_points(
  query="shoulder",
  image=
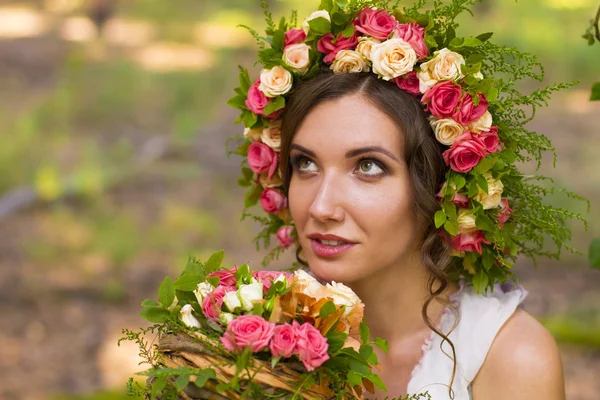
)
(523, 363)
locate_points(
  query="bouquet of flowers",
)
(237, 333)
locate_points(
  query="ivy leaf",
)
(439, 218)
(594, 256)
(480, 281)
(166, 292)
(382, 344)
(182, 381)
(214, 261)
(595, 95)
(156, 315)
(365, 332)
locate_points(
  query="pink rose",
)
(311, 346)
(284, 341)
(257, 101)
(294, 36)
(465, 153)
(504, 214)
(468, 112)
(212, 303)
(460, 199)
(272, 201)
(267, 277)
(284, 236)
(409, 83)
(491, 140)
(248, 331)
(469, 242)
(226, 276)
(376, 23)
(262, 158)
(442, 99)
(413, 34)
(330, 50)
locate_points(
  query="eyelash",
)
(298, 158)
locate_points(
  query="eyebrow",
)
(351, 153)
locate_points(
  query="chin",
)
(338, 270)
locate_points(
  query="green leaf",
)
(274, 105)
(359, 367)
(376, 381)
(326, 5)
(382, 344)
(204, 376)
(364, 332)
(247, 173)
(348, 31)
(182, 381)
(150, 303)
(365, 351)
(480, 281)
(353, 378)
(188, 282)
(250, 119)
(245, 81)
(451, 226)
(485, 165)
(594, 256)
(238, 102)
(156, 315)
(492, 94)
(166, 292)
(431, 42)
(320, 26)
(475, 58)
(274, 361)
(327, 309)
(485, 36)
(252, 196)
(484, 223)
(595, 95)
(335, 341)
(278, 38)
(158, 385)
(439, 218)
(472, 42)
(482, 183)
(372, 359)
(214, 261)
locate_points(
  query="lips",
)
(328, 245)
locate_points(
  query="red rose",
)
(248, 331)
(262, 158)
(267, 277)
(272, 201)
(409, 83)
(468, 112)
(504, 214)
(442, 99)
(465, 153)
(256, 102)
(294, 36)
(212, 303)
(283, 343)
(284, 236)
(325, 45)
(226, 276)
(413, 34)
(460, 199)
(376, 23)
(469, 242)
(491, 140)
(311, 346)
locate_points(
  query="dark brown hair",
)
(422, 154)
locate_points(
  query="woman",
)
(362, 168)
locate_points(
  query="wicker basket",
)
(183, 350)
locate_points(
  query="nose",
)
(327, 204)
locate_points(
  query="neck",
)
(394, 299)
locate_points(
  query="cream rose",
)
(316, 14)
(274, 182)
(271, 135)
(225, 318)
(446, 130)
(232, 301)
(466, 221)
(253, 134)
(493, 197)
(185, 314)
(349, 61)
(365, 46)
(312, 287)
(275, 82)
(342, 295)
(445, 66)
(297, 57)
(202, 290)
(250, 293)
(482, 124)
(393, 58)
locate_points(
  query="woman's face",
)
(350, 193)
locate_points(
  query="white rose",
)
(349, 61)
(249, 293)
(271, 135)
(446, 130)
(316, 14)
(253, 134)
(232, 301)
(280, 278)
(297, 57)
(492, 198)
(312, 287)
(275, 82)
(365, 46)
(225, 318)
(343, 296)
(185, 314)
(445, 66)
(482, 124)
(478, 75)
(202, 290)
(393, 58)
(466, 221)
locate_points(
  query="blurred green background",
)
(113, 170)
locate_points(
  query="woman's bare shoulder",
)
(523, 363)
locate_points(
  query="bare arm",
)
(524, 363)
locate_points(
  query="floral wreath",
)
(489, 211)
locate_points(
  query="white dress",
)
(481, 317)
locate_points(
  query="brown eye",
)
(370, 167)
(306, 165)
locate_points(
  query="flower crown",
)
(489, 211)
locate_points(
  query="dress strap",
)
(481, 318)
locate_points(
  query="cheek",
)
(298, 204)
